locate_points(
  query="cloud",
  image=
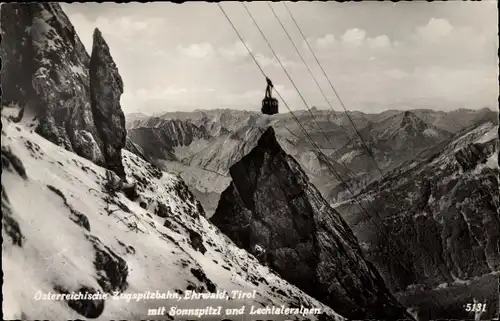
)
(379, 42)
(197, 50)
(324, 42)
(354, 37)
(234, 51)
(122, 25)
(272, 61)
(370, 70)
(434, 43)
(117, 29)
(435, 30)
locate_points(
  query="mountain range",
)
(92, 205)
(210, 141)
(429, 224)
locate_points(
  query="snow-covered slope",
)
(63, 232)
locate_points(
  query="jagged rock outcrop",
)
(106, 87)
(46, 74)
(272, 204)
(474, 154)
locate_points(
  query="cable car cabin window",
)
(269, 106)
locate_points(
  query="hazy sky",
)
(378, 55)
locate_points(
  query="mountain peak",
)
(408, 113)
(97, 34)
(271, 205)
(268, 140)
(70, 98)
(106, 88)
(48, 72)
(101, 54)
(410, 120)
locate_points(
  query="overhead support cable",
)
(368, 150)
(385, 234)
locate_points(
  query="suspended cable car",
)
(269, 104)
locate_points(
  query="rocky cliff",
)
(160, 139)
(46, 75)
(271, 205)
(440, 217)
(106, 87)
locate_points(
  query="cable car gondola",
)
(269, 104)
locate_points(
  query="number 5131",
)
(475, 307)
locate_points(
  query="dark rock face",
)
(202, 277)
(271, 203)
(106, 87)
(112, 270)
(17, 54)
(9, 224)
(196, 241)
(163, 210)
(473, 154)
(46, 73)
(12, 162)
(89, 308)
(443, 212)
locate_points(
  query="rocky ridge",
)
(106, 87)
(270, 205)
(56, 87)
(233, 133)
(161, 140)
